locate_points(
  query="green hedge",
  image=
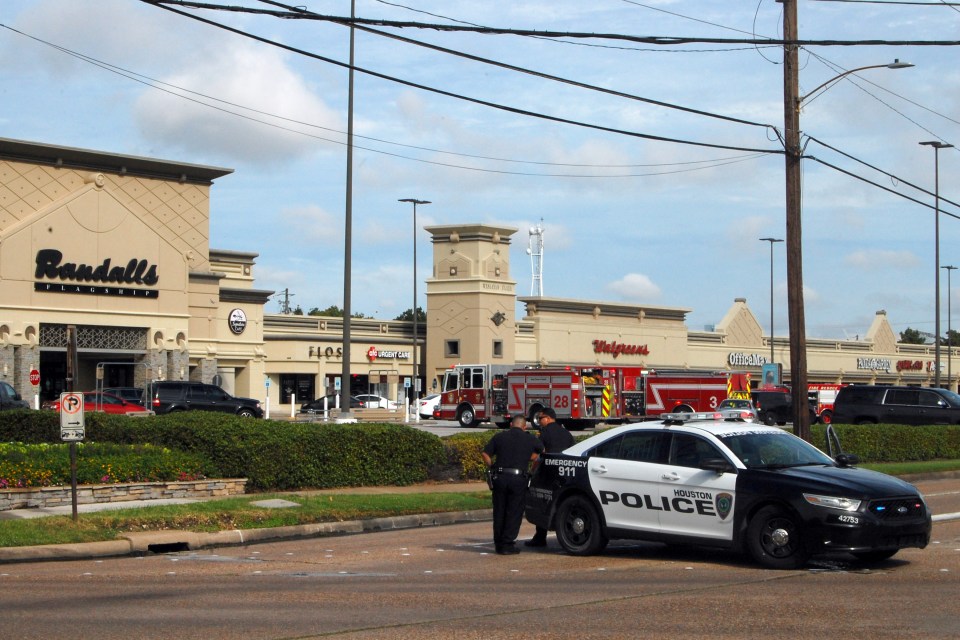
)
(272, 455)
(894, 442)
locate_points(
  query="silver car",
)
(737, 408)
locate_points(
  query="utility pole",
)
(794, 244)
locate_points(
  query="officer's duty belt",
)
(516, 472)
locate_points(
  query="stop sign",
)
(34, 377)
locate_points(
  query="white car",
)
(425, 406)
(373, 401)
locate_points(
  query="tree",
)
(952, 339)
(333, 311)
(408, 315)
(912, 336)
(298, 311)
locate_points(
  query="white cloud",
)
(872, 260)
(635, 287)
(255, 77)
(312, 225)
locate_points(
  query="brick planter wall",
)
(93, 493)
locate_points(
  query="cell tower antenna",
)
(535, 251)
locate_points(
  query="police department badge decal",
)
(723, 502)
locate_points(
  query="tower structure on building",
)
(471, 298)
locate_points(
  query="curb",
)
(138, 544)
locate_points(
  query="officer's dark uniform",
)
(510, 451)
(555, 438)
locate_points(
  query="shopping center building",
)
(112, 254)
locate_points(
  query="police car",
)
(706, 480)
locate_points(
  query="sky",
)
(647, 205)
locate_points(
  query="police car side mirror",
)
(847, 459)
(719, 465)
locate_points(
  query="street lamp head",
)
(771, 240)
(896, 64)
(948, 267)
(414, 201)
(936, 144)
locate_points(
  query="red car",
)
(106, 402)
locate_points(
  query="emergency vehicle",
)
(581, 396)
(700, 479)
(822, 397)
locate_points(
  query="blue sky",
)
(626, 219)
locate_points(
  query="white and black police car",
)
(705, 480)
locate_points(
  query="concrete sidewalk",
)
(167, 541)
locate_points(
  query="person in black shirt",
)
(555, 438)
(508, 456)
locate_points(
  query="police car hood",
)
(862, 482)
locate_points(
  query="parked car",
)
(866, 404)
(738, 408)
(10, 399)
(373, 401)
(170, 396)
(316, 406)
(776, 407)
(105, 402)
(427, 405)
(130, 394)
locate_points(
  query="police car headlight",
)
(844, 504)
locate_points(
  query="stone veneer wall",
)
(41, 497)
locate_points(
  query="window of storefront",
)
(300, 384)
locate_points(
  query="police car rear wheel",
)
(579, 530)
(774, 539)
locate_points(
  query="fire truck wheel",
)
(466, 417)
(826, 417)
(534, 413)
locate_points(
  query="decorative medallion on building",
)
(499, 318)
(237, 321)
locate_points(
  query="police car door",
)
(696, 502)
(624, 476)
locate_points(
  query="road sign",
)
(71, 417)
(34, 377)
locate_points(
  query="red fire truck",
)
(581, 396)
(821, 399)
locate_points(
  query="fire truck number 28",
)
(561, 401)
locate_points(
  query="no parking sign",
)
(71, 417)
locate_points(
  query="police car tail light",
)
(844, 504)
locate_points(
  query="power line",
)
(686, 167)
(659, 40)
(515, 110)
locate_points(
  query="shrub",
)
(894, 442)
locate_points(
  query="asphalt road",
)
(445, 582)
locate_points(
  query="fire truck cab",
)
(822, 397)
(474, 393)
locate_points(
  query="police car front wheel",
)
(579, 530)
(774, 539)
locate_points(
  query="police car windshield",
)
(773, 450)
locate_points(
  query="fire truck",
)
(581, 396)
(821, 399)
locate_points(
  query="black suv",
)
(169, 396)
(10, 399)
(776, 407)
(867, 404)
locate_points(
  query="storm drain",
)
(168, 547)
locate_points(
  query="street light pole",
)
(771, 241)
(949, 268)
(937, 145)
(416, 372)
(792, 156)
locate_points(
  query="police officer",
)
(508, 456)
(555, 438)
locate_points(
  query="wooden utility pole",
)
(794, 244)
